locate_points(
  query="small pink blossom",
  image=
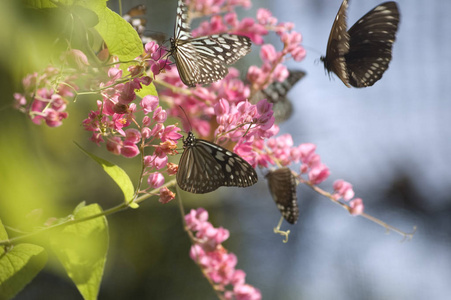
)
(155, 180)
(132, 135)
(356, 206)
(129, 150)
(166, 195)
(318, 174)
(343, 189)
(149, 103)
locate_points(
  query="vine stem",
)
(110, 211)
(405, 235)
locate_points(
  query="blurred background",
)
(392, 141)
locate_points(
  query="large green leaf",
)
(117, 174)
(82, 248)
(19, 264)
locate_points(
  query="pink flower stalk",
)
(214, 260)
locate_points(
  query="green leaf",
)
(148, 90)
(120, 37)
(19, 264)
(116, 173)
(82, 248)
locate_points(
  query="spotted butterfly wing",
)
(361, 55)
(276, 93)
(282, 185)
(205, 166)
(203, 59)
(338, 46)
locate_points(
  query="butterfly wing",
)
(216, 51)
(203, 60)
(338, 46)
(282, 185)
(370, 44)
(276, 93)
(198, 171)
(205, 166)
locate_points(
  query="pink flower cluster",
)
(215, 261)
(154, 53)
(243, 121)
(209, 7)
(41, 101)
(344, 190)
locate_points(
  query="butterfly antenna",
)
(187, 119)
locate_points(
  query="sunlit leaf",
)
(19, 264)
(82, 248)
(117, 174)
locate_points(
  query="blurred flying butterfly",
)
(135, 17)
(203, 59)
(205, 166)
(361, 55)
(282, 185)
(276, 93)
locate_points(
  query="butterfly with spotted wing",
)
(360, 56)
(282, 186)
(205, 166)
(203, 59)
(276, 93)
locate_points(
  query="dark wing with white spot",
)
(338, 46)
(370, 44)
(205, 166)
(282, 185)
(276, 93)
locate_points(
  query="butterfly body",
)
(360, 56)
(205, 166)
(203, 59)
(282, 185)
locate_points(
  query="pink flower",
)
(129, 150)
(155, 180)
(149, 103)
(166, 195)
(159, 115)
(246, 292)
(132, 135)
(318, 174)
(196, 218)
(172, 169)
(114, 145)
(356, 206)
(343, 189)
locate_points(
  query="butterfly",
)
(203, 59)
(282, 185)
(205, 166)
(276, 93)
(360, 56)
(135, 18)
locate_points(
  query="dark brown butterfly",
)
(276, 93)
(282, 185)
(135, 16)
(206, 166)
(360, 56)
